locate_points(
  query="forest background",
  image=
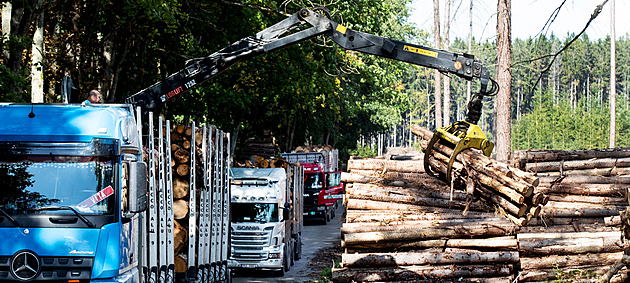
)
(313, 92)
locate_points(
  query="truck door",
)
(334, 187)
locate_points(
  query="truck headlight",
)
(321, 208)
(274, 255)
(316, 194)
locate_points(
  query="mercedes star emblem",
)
(25, 265)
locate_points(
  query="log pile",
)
(404, 225)
(181, 146)
(579, 227)
(510, 190)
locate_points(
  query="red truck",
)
(322, 183)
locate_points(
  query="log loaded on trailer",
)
(74, 202)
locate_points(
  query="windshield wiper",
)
(15, 222)
(85, 220)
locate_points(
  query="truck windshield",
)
(254, 212)
(33, 183)
(313, 181)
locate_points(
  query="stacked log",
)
(578, 228)
(404, 225)
(510, 190)
(181, 136)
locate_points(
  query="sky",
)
(528, 18)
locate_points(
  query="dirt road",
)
(320, 243)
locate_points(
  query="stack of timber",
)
(404, 225)
(579, 227)
(510, 190)
(261, 145)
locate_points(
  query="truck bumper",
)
(315, 214)
(269, 264)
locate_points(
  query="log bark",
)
(365, 204)
(577, 274)
(493, 243)
(349, 228)
(570, 243)
(567, 228)
(426, 257)
(441, 192)
(530, 156)
(555, 261)
(413, 179)
(429, 233)
(412, 273)
(605, 172)
(422, 201)
(386, 165)
(602, 201)
(575, 179)
(391, 216)
(585, 189)
(557, 166)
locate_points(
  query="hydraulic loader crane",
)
(307, 24)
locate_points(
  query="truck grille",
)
(53, 269)
(249, 245)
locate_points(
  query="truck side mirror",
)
(137, 187)
(285, 213)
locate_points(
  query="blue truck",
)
(80, 203)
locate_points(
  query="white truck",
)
(266, 225)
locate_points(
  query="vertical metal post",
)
(192, 215)
(225, 240)
(161, 201)
(143, 216)
(215, 204)
(153, 241)
(170, 224)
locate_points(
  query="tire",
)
(298, 247)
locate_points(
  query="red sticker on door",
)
(97, 197)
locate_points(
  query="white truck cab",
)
(261, 212)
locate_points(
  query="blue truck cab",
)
(72, 185)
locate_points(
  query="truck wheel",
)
(298, 248)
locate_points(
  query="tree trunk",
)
(558, 261)
(447, 79)
(7, 7)
(386, 165)
(569, 243)
(428, 257)
(416, 273)
(428, 233)
(504, 79)
(37, 56)
(438, 76)
(613, 78)
(532, 156)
